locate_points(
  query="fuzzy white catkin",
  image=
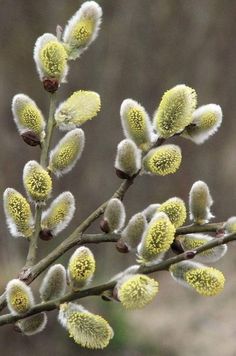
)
(61, 211)
(52, 63)
(200, 202)
(193, 241)
(128, 158)
(54, 283)
(33, 325)
(67, 152)
(134, 230)
(114, 215)
(81, 268)
(27, 116)
(230, 225)
(82, 29)
(19, 297)
(136, 123)
(205, 123)
(150, 211)
(18, 213)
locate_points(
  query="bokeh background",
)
(143, 49)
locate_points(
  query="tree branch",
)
(31, 257)
(77, 238)
(98, 290)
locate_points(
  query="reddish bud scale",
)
(46, 235)
(122, 247)
(50, 84)
(104, 226)
(30, 138)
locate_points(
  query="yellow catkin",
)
(81, 267)
(19, 297)
(207, 281)
(89, 330)
(53, 58)
(67, 152)
(18, 213)
(136, 291)
(59, 214)
(157, 238)
(37, 182)
(206, 121)
(80, 107)
(175, 209)
(163, 160)
(136, 123)
(175, 110)
(82, 29)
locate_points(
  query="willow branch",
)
(98, 290)
(76, 237)
(28, 275)
(31, 257)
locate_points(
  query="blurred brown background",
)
(144, 48)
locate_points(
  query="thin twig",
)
(31, 257)
(98, 290)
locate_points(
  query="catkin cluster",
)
(150, 234)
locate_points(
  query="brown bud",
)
(220, 232)
(122, 247)
(190, 254)
(50, 84)
(177, 247)
(46, 235)
(104, 226)
(30, 138)
(122, 175)
(16, 328)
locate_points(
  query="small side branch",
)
(98, 290)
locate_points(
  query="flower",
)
(27, 116)
(19, 297)
(18, 213)
(207, 281)
(57, 217)
(32, 325)
(163, 160)
(128, 158)
(37, 182)
(136, 123)
(51, 58)
(230, 225)
(136, 291)
(67, 152)
(193, 241)
(175, 110)
(175, 209)
(80, 107)
(114, 215)
(54, 283)
(200, 202)
(156, 239)
(82, 29)
(81, 268)
(87, 329)
(206, 121)
(134, 230)
(150, 211)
